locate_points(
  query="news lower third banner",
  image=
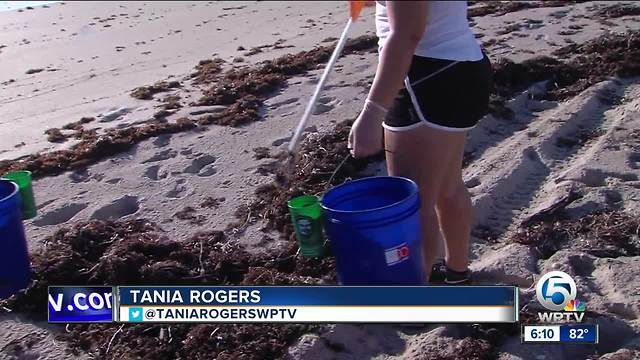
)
(318, 304)
(284, 304)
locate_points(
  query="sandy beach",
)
(165, 123)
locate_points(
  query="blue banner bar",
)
(320, 295)
(582, 333)
(70, 304)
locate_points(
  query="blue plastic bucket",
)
(14, 258)
(374, 228)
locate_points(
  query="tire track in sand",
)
(512, 176)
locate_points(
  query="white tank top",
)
(446, 36)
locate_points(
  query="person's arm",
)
(407, 20)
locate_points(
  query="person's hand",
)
(365, 137)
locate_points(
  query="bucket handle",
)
(333, 175)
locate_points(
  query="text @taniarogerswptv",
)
(204, 314)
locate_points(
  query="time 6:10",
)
(542, 333)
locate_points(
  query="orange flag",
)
(355, 6)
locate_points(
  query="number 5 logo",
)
(555, 289)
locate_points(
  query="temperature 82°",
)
(583, 333)
(577, 334)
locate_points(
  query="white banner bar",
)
(541, 333)
(318, 314)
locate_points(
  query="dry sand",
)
(94, 54)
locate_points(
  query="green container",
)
(306, 215)
(23, 180)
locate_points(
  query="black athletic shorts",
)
(444, 94)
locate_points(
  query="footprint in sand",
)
(623, 310)
(45, 203)
(281, 141)
(114, 114)
(284, 102)
(153, 173)
(178, 191)
(60, 215)
(265, 169)
(362, 68)
(202, 166)
(162, 140)
(624, 176)
(162, 155)
(207, 171)
(612, 197)
(118, 208)
(532, 24)
(79, 176)
(322, 108)
(325, 104)
(473, 182)
(633, 159)
(589, 177)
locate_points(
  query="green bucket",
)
(306, 215)
(23, 180)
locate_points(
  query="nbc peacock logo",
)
(574, 305)
(557, 291)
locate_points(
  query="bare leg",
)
(430, 157)
(455, 211)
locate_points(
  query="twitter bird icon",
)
(135, 314)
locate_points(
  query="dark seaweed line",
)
(244, 109)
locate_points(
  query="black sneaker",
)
(438, 273)
(458, 277)
(441, 274)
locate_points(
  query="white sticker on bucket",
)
(397, 254)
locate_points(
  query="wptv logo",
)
(556, 291)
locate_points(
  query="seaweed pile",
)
(146, 92)
(587, 64)
(74, 129)
(136, 252)
(498, 8)
(245, 89)
(325, 161)
(93, 148)
(605, 234)
(617, 11)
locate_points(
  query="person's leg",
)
(454, 209)
(427, 155)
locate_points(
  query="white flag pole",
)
(293, 144)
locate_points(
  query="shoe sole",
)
(457, 282)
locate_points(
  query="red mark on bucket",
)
(403, 252)
(396, 254)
